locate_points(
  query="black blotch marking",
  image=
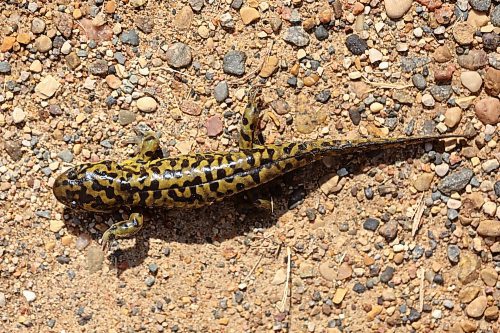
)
(288, 167)
(157, 195)
(110, 193)
(221, 173)
(155, 184)
(288, 149)
(240, 187)
(255, 176)
(173, 163)
(251, 160)
(143, 197)
(155, 170)
(244, 121)
(214, 186)
(208, 175)
(185, 163)
(245, 136)
(229, 179)
(302, 146)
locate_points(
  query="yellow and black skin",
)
(186, 181)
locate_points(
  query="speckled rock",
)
(468, 268)
(178, 55)
(474, 60)
(356, 45)
(489, 228)
(297, 36)
(234, 62)
(492, 81)
(456, 181)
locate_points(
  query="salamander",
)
(149, 180)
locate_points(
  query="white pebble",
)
(29, 295)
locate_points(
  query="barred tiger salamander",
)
(149, 180)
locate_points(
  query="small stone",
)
(147, 104)
(138, 3)
(321, 33)
(463, 33)
(37, 26)
(444, 14)
(442, 169)
(471, 80)
(437, 314)
(130, 37)
(480, 5)
(389, 230)
(150, 281)
(396, 9)
(423, 182)
(7, 43)
(43, 44)
(234, 63)
(297, 36)
(4, 67)
(249, 15)
(356, 45)
(477, 19)
(279, 277)
(339, 295)
(453, 117)
(47, 87)
(476, 308)
(3, 301)
(468, 268)
(375, 55)
(491, 313)
(371, 224)
(456, 181)
(428, 100)
(419, 81)
(226, 21)
(492, 81)
(473, 60)
(327, 272)
(387, 274)
(73, 60)
(18, 115)
(56, 225)
(275, 23)
(82, 241)
(183, 18)
(66, 156)
(489, 228)
(344, 271)
(64, 23)
(221, 91)
(99, 67)
(24, 38)
(190, 107)
(495, 16)
(29, 295)
(488, 110)
(126, 117)
(441, 93)
(453, 253)
(489, 276)
(178, 55)
(442, 54)
(490, 165)
(145, 24)
(197, 5)
(113, 81)
(214, 126)
(468, 294)
(269, 67)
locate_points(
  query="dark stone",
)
(371, 224)
(356, 45)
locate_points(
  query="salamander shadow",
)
(234, 216)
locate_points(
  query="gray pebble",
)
(495, 16)
(179, 55)
(4, 67)
(226, 21)
(355, 116)
(126, 117)
(120, 57)
(389, 230)
(150, 280)
(99, 67)
(66, 156)
(441, 93)
(297, 36)
(321, 33)
(419, 81)
(452, 214)
(387, 274)
(496, 187)
(453, 253)
(236, 4)
(234, 63)
(456, 181)
(414, 315)
(355, 44)
(197, 5)
(371, 224)
(130, 37)
(480, 5)
(221, 91)
(448, 304)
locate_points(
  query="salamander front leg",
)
(150, 147)
(250, 121)
(123, 229)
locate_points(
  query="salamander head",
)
(90, 187)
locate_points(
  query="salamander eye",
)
(71, 174)
(73, 204)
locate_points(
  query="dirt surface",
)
(394, 241)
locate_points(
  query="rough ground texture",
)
(392, 241)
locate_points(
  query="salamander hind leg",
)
(123, 229)
(250, 121)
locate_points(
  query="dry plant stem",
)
(417, 217)
(253, 268)
(282, 303)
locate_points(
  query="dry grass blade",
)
(253, 268)
(421, 295)
(417, 217)
(282, 303)
(385, 85)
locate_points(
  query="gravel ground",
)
(395, 241)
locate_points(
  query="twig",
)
(417, 217)
(421, 296)
(282, 304)
(253, 268)
(384, 85)
(168, 69)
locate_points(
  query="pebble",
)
(73, 60)
(82, 241)
(178, 55)
(490, 165)
(234, 63)
(423, 182)
(4, 67)
(491, 313)
(356, 45)
(321, 33)
(147, 104)
(150, 281)
(37, 25)
(468, 294)
(197, 5)
(453, 253)
(43, 44)
(463, 33)
(396, 9)
(214, 126)
(441, 93)
(489, 208)
(279, 277)
(488, 110)
(327, 272)
(387, 274)
(3, 301)
(47, 87)
(339, 295)
(190, 107)
(371, 224)
(99, 67)
(428, 100)
(183, 18)
(221, 91)
(489, 276)
(66, 156)
(489, 228)
(29, 296)
(495, 16)
(442, 169)
(474, 60)
(471, 80)
(130, 37)
(468, 268)
(419, 81)
(18, 115)
(456, 181)
(269, 67)
(442, 54)
(480, 5)
(476, 308)
(297, 36)
(249, 15)
(492, 81)
(375, 55)
(452, 117)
